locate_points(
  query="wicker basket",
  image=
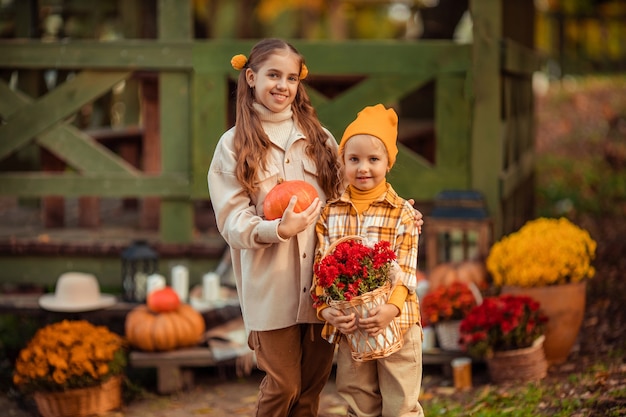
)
(520, 365)
(81, 402)
(448, 334)
(365, 347)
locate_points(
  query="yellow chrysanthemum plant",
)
(69, 354)
(543, 252)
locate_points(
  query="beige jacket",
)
(273, 275)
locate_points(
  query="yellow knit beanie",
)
(376, 121)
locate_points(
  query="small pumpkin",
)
(277, 200)
(151, 331)
(446, 273)
(163, 299)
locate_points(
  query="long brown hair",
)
(252, 144)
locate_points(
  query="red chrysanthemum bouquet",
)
(356, 277)
(506, 322)
(353, 269)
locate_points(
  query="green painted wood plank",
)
(330, 57)
(176, 217)
(82, 152)
(29, 121)
(45, 270)
(452, 126)
(324, 57)
(68, 143)
(118, 55)
(487, 146)
(454, 115)
(9, 100)
(424, 57)
(336, 114)
(175, 127)
(317, 99)
(413, 177)
(110, 185)
(519, 59)
(176, 221)
(210, 104)
(517, 174)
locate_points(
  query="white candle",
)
(155, 282)
(180, 282)
(211, 286)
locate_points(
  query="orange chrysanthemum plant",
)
(68, 355)
(445, 303)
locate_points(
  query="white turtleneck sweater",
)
(278, 126)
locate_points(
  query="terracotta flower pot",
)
(565, 307)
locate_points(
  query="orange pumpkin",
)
(150, 331)
(464, 271)
(162, 300)
(277, 200)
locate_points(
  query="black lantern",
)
(458, 228)
(138, 262)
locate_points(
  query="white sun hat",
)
(76, 292)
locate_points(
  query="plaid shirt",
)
(388, 218)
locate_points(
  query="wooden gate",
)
(483, 113)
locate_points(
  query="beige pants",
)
(387, 387)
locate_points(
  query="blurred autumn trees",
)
(574, 35)
(582, 36)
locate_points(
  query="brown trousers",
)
(297, 363)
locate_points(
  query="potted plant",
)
(445, 306)
(507, 331)
(549, 260)
(355, 277)
(72, 368)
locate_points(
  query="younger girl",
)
(277, 137)
(370, 208)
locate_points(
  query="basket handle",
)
(337, 242)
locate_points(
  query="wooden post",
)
(174, 23)
(487, 132)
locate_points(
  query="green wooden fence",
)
(483, 113)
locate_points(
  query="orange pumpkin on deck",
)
(164, 331)
(277, 200)
(163, 299)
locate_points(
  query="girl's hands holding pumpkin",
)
(346, 324)
(293, 223)
(379, 319)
